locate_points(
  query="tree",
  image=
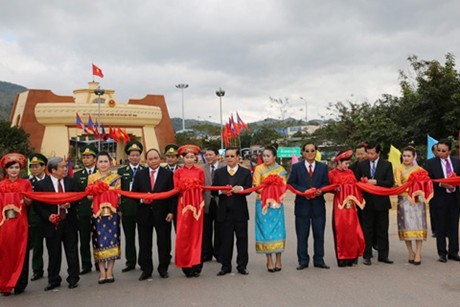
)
(265, 135)
(430, 103)
(281, 106)
(13, 139)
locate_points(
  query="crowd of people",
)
(207, 208)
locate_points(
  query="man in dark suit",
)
(232, 212)
(128, 206)
(66, 231)
(210, 247)
(158, 214)
(446, 200)
(84, 211)
(305, 175)
(375, 216)
(37, 165)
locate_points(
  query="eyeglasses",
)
(313, 150)
(441, 150)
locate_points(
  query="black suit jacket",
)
(434, 168)
(163, 183)
(383, 175)
(45, 210)
(236, 205)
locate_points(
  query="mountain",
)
(8, 93)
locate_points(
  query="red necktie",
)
(310, 170)
(152, 179)
(62, 213)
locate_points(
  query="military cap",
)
(171, 150)
(133, 145)
(89, 150)
(37, 158)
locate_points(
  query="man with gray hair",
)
(60, 225)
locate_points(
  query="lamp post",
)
(220, 93)
(182, 86)
(99, 92)
(306, 109)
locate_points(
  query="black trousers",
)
(228, 230)
(375, 226)
(211, 244)
(129, 228)
(24, 277)
(447, 214)
(433, 217)
(163, 231)
(67, 236)
(84, 230)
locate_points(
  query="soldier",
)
(84, 212)
(172, 157)
(37, 164)
(129, 206)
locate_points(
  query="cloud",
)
(322, 51)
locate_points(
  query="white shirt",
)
(307, 165)
(155, 175)
(93, 169)
(443, 165)
(235, 169)
(56, 188)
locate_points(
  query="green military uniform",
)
(128, 207)
(35, 225)
(84, 212)
(171, 150)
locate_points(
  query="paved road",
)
(399, 284)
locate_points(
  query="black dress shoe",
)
(51, 287)
(454, 257)
(341, 263)
(102, 281)
(18, 291)
(410, 261)
(145, 276)
(442, 259)
(301, 267)
(277, 269)
(417, 262)
(6, 293)
(36, 276)
(110, 280)
(222, 273)
(245, 271)
(127, 269)
(321, 266)
(367, 261)
(385, 260)
(164, 274)
(196, 273)
(85, 271)
(73, 285)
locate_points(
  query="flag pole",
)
(92, 63)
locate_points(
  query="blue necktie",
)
(372, 169)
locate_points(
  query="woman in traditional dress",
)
(411, 214)
(14, 254)
(190, 211)
(105, 222)
(270, 227)
(348, 235)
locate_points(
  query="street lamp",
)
(220, 93)
(306, 109)
(99, 92)
(182, 86)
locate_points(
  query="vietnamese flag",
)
(97, 71)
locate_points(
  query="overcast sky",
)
(323, 51)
